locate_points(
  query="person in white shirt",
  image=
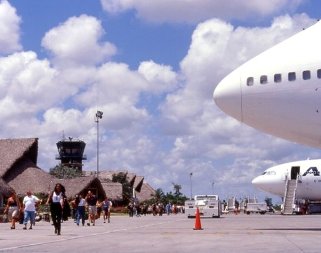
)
(107, 204)
(56, 201)
(29, 204)
(80, 204)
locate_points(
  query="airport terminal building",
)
(19, 172)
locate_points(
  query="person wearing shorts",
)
(12, 209)
(91, 200)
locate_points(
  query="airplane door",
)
(295, 171)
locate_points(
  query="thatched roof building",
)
(18, 169)
(81, 185)
(13, 151)
(5, 191)
(113, 190)
(147, 192)
(134, 180)
(19, 172)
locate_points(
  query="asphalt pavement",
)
(173, 233)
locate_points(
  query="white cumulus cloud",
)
(193, 11)
(9, 29)
(77, 41)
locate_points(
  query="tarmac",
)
(173, 233)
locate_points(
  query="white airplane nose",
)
(272, 184)
(227, 96)
(260, 183)
(256, 181)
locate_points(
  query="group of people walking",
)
(58, 203)
(14, 208)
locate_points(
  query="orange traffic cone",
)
(198, 225)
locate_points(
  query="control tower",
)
(71, 153)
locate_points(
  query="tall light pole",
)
(213, 187)
(190, 176)
(99, 115)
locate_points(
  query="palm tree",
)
(159, 195)
(177, 188)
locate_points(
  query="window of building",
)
(319, 73)
(263, 79)
(291, 76)
(250, 81)
(277, 78)
(306, 75)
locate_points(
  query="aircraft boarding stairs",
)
(289, 196)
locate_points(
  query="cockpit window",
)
(269, 173)
(306, 75)
(263, 79)
(277, 78)
(319, 73)
(291, 76)
(250, 81)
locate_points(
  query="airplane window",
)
(263, 79)
(306, 75)
(277, 78)
(250, 81)
(291, 76)
(319, 73)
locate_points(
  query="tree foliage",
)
(121, 177)
(177, 189)
(61, 172)
(176, 198)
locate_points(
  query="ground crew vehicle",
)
(256, 208)
(208, 205)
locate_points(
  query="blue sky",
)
(151, 67)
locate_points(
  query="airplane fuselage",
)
(273, 180)
(279, 91)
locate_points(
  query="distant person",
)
(80, 204)
(107, 204)
(91, 200)
(99, 209)
(56, 200)
(13, 208)
(29, 205)
(168, 208)
(237, 207)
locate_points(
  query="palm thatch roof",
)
(81, 185)
(113, 190)
(143, 191)
(27, 176)
(147, 192)
(5, 189)
(139, 180)
(13, 150)
(131, 178)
